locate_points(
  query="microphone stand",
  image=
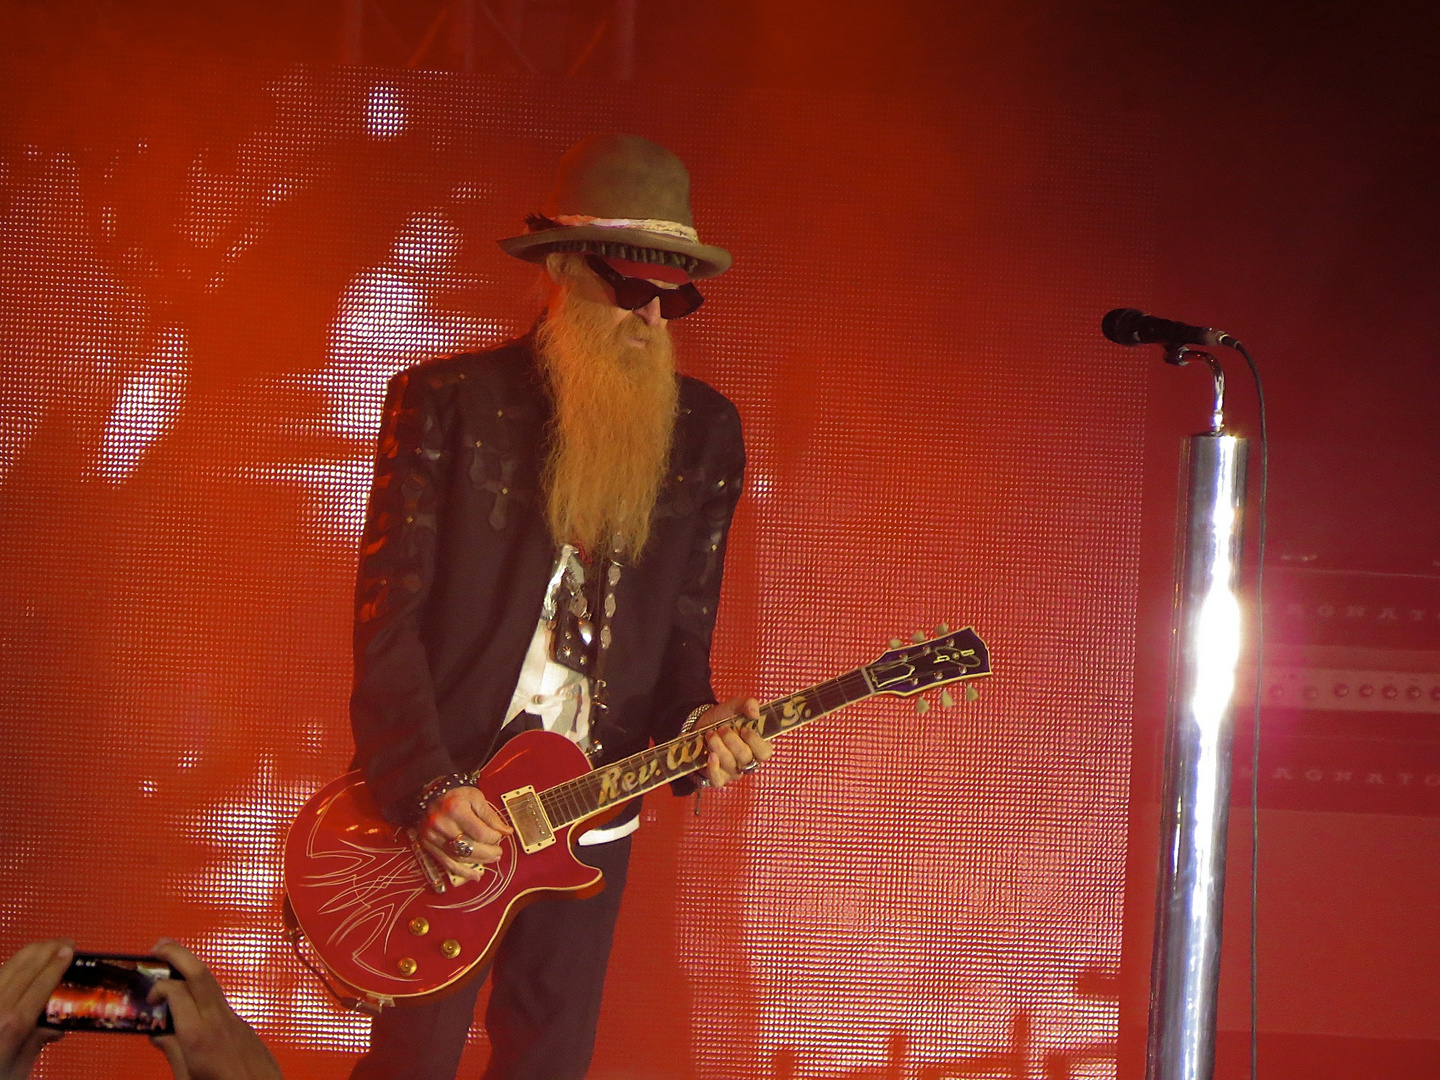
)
(1199, 738)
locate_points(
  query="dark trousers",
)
(545, 989)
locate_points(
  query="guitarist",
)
(543, 547)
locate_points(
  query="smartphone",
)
(107, 993)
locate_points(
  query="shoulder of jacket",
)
(709, 419)
(700, 398)
(508, 360)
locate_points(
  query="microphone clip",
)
(1180, 356)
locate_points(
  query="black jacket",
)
(456, 555)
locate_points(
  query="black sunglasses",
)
(632, 293)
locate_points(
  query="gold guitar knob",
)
(419, 926)
(407, 966)
(450, 948)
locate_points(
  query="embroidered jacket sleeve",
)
(685, 674)
(392, 706)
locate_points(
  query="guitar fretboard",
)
(657, 766)
(903, 670)
(610, 785)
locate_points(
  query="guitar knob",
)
(450, 948)
(407, 966)
(947, 699)
(971, 694)
(941, 630)
(419, 926)
(922, 706)
(917, 637)
(895, 643)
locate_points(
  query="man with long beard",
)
(543, 549)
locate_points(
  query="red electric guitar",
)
(390, 926)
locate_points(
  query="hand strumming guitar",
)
(462, 832)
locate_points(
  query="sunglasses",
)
(633, 293)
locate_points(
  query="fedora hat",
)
(624, 197)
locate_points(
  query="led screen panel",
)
(199, 307)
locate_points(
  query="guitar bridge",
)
(433, 873)
(532, 826)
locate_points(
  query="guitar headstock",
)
(948, 657)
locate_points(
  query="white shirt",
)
(558, 695)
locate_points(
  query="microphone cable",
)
(1255, 724)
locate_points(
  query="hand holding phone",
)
(209, 1042)
(26, 981)
(47, 988)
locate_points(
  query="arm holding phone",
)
(210, 1041)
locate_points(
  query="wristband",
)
(694, 718)
(686, 728)
(439, 786)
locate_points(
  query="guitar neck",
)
(610, 785)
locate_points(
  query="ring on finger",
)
(751, 767)
(461, 847)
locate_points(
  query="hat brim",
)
(534, 246)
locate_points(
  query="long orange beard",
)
(614, 416)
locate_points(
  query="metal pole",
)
(1185, 968)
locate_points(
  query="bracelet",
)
(694, 718)
(701, 780)
(439, 786)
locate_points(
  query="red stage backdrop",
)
(202, 293)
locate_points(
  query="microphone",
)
(1131, 326)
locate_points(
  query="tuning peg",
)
(922, 706)
(917, 637)
(941, 630)
(895, 643)
(947, 699)
(971, 694)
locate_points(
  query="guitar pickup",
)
(532, 826)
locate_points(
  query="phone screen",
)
(107, 993)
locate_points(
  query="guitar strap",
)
(610, 570)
